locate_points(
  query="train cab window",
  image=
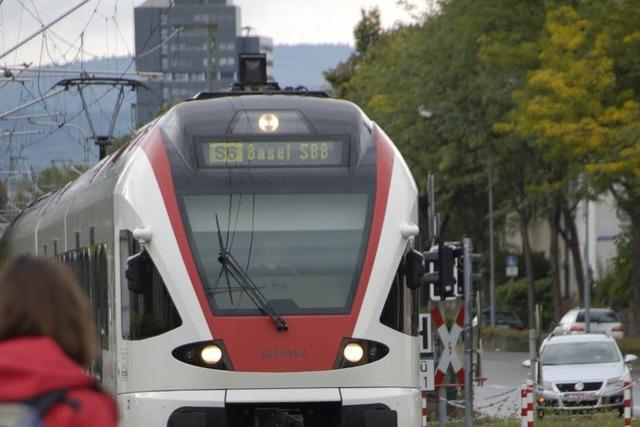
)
(399, 311)
(147, 313)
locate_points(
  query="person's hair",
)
(40, 297)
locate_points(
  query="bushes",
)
(630, 345)
(513, 297)
(614, 287)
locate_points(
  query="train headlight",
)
(356, 352)
(268, 123)
(211, 354)
(353, 352)
(206, 354)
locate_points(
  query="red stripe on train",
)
(253, 343)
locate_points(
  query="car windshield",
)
(599, 316)
(303, 251)
(577, 353)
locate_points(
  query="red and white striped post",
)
(529, 403)
(523, 406)
(424, 408)
(627, 403)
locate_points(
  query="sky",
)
(108, 25)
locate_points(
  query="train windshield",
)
(303, 252)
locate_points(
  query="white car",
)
(600, 320)
(578, 372)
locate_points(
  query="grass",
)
(608, 419)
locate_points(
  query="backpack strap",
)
(42, 403)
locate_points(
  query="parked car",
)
(507, 319)
(601, 320)
(581, 372)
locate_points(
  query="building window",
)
(196, 77)
(181, 77)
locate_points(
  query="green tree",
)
(574, 110)
(367, 33)
(3, 195)
(48, 180)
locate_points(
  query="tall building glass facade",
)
(188, 46)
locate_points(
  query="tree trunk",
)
(554, 252)
(528, 261)
(571, 239)
(635, 279)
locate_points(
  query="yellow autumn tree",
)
(574, 110)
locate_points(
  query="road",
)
(505, 375)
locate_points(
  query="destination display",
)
(275, 153)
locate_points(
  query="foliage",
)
(368, 30)
(3, 195)
(513, 297)
(597, 419)
(501, 332)
(614, 287)
(48, 180)
(542, 91)
(629, 345)
(118, 143)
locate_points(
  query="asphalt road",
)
(500, 394)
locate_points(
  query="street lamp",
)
(428, 114)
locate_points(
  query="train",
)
(245, 258)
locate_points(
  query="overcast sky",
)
(109, 24)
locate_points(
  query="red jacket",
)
(33, 365)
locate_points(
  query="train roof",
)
(214, 115)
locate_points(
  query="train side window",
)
(151, 312)
(399, 311)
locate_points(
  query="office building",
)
(189, 46)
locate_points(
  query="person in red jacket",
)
(47, 343)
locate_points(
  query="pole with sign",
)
(427, 364)
(512, 266)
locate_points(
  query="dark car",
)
(502, 318)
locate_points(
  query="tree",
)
(3, 195)
(48, 180)
(436, 65)
(367, 33)
(573, 109)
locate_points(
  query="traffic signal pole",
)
(468, 332)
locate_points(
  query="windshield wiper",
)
(232, 268)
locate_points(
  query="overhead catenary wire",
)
(44, 28)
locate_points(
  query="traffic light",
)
(440, 262)
(476, 278)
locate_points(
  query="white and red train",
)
(243, 259)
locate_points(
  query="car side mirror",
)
(139, 272)
(630, 358)
(414, 268)
(526, 363)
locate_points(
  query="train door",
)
(105, 314)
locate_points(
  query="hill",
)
(294, 65)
